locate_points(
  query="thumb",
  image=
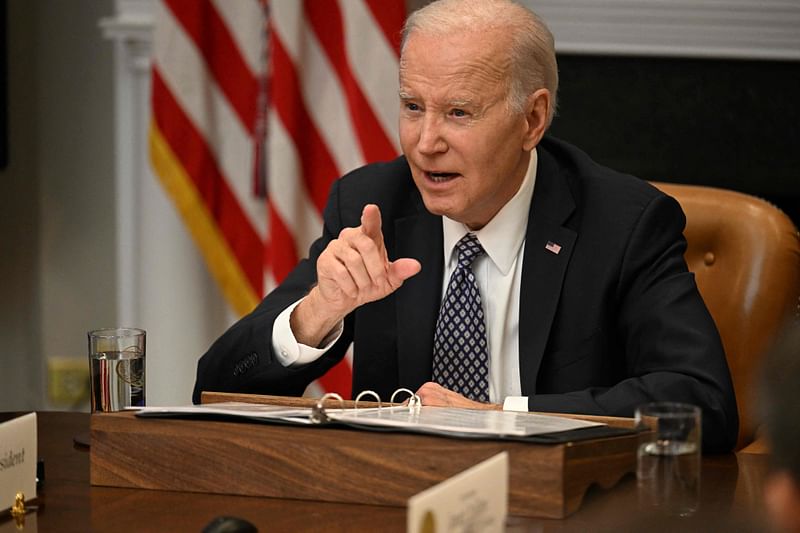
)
(401, 270)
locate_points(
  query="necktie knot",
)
(469, 248)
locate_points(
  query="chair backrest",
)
(745, 254)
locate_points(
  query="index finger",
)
(371, 222)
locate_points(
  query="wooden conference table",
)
(730, 500)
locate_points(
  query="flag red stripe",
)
(208, 31)
(390, 16)
(318, 167)
(282, 256)
(326, 19)
(199, 162)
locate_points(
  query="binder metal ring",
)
(414, 401)
(318, 414)
(370, 393)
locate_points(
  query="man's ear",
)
(782, 498)
(537, 108)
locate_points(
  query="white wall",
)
(58, 222)
(70, 143)
(59, 264)
(74, 164)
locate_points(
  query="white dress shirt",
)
(498, 274)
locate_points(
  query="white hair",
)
(532, 49)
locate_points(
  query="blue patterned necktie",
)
(460, 349)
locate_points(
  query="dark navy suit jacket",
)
(612, 321)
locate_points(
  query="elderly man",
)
(490, 266)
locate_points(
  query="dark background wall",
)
(726, 123)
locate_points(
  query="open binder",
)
(329, 411)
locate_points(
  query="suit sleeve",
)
(242, 359)
(672, 350)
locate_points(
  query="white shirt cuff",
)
(288, 351)
(515, 403)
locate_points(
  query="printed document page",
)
(460, 421)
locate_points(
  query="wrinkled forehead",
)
(479, 59)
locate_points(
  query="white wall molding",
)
(733, 29)
(132, 22)
(131, 29)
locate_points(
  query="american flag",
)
(256, 108)
(552, 247)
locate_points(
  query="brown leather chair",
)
(745, 254)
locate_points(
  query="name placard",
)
(17, 459)
(474, 500)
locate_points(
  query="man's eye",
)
(412, 106)
(458, 113)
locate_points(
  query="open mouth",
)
(441, 177)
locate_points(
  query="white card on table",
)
(17, 459)
(474, 500)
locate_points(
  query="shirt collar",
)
(503, 236)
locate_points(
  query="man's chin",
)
(439, 208)
(446, 210)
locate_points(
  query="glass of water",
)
(668, 461)
(117, 368)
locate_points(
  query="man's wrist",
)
(288, 351)
(309, 322)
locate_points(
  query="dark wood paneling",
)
(726, 123)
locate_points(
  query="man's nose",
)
(431, 140)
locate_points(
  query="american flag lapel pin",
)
(552, 247)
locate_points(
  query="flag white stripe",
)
(184, 72)
(314, 390)
(287, 20)
(328, 107)
(322, 93)
(370, 57)
(246, 24)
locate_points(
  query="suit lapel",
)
(548, 248)
(418, 236)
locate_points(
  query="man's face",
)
(468, 153)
